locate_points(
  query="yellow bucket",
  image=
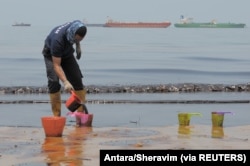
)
(184, 130)
(217, 132)
(218, 118)
(184, 118)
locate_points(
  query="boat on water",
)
(21, 24)
(94, 25)
(188, 23)
(116, 24)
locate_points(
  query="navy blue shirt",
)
(57, 41)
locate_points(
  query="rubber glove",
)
(78, 51)
(67, 86)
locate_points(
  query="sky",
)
(53, 12)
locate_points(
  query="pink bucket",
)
(86, 119)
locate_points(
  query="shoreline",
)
(152, 88)
(124, 101)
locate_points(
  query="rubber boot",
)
(81, 94)
(55, 99)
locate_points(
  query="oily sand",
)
(80, 146)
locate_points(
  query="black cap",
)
(81, 31)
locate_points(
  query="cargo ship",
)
(94, 25)
(188, 23)
(21, 24)
(116, 24)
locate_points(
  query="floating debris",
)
(156, 88)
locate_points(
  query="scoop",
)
(73, 102)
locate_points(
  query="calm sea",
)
(133, 56)
(120, 56)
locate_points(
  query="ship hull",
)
(137, 25)
(209, 25)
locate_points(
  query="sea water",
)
(133, 56)
(130, 56)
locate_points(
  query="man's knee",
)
(54, 86)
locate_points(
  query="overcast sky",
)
(53, 12)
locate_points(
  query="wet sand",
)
(80, 146)
(131, 126)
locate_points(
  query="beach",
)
(136, 121)
(138, 82)
(81, 146)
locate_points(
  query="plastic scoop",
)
(195, 114)
(84, 118)
(184, 118)
(73, 102)
(75, 113)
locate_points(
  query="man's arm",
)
(78, 50)
(58, 68)
(60, 73)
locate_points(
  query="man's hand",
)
(67, 86)
(78, 51)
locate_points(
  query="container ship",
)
(116, 24)
(188, 23)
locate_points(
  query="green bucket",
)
(218, 118)
(184, 118)
(217, 132)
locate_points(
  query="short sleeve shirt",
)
(57, 41)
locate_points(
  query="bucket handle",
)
(85, 109)
(73, 93)
(225, 112)
(194, 114)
